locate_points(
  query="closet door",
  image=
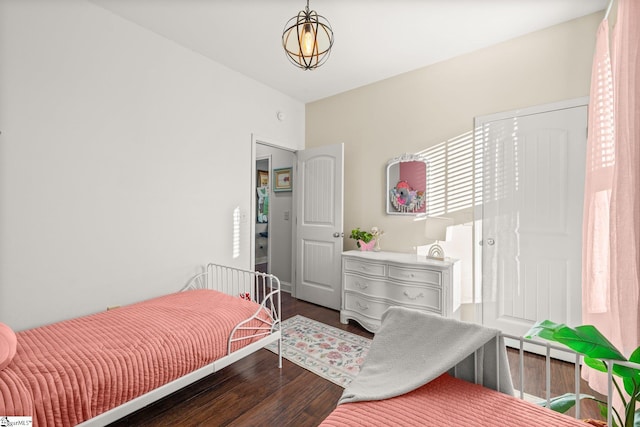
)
(532, 193)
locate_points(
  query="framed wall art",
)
(263, 178)
(282, 179)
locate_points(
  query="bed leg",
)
(280, 353)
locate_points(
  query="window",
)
(452, 175)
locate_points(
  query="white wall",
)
(123, 157)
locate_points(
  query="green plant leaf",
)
(626, 372)
(604, 411)
(635, 358)
(358, 234)
(544, 329)
(631, 375)
(630, 413)
(596, 364)
(588, 340)
(631, 382)
(595, 348)
(565, 402)
(620, 371)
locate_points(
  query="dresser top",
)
(401, 257)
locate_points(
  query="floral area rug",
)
(326, 351)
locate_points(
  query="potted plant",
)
(362, 238)
(598, 352)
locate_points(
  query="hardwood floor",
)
(562, 381)
(254, 392)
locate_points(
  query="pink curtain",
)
(611, 226)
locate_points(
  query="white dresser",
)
(375, 281)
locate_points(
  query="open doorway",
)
(273, 214)
(262, 253)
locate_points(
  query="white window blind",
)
(451, 175)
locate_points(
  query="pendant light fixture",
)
(307, 39)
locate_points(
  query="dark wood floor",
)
(562, 381)
(254, 392)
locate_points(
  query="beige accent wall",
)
(413, 111)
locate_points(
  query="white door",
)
(319, 238)
(532, 193)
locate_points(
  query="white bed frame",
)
(520, 343)
(261, 287)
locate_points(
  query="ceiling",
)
(374, 39)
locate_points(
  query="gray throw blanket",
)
(413, 347)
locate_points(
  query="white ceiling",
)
(374, 39)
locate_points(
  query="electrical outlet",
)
(286, 215)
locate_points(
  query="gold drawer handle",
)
(361, 286)
(420, 295)
(361, 306)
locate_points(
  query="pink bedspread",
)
(447, 401)
(74, 370)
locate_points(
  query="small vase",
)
(376, 248)
(366, 246)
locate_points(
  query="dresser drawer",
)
(423, 297)
(428, 297)
(365, 306)
(406, 274)
(365, 285)
(364, 267)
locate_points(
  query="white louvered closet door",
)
(532, 194)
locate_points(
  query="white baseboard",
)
(286, 287)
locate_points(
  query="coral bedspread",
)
(448, 401)
(74, 370)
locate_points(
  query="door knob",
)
(336, 234)
(490, 242)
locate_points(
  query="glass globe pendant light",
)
(307, 39)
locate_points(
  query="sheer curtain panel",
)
(611, 226)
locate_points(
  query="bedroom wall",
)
(414, 111)
(124, 160)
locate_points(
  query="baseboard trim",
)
(286, 287)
